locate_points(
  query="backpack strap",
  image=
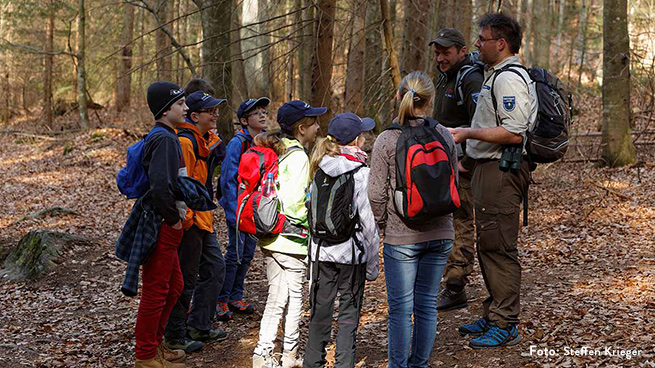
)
(509, 67)
(187, 133)
(245, 144)
(290, 150)
(462, 74)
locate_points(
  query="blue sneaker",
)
(496, 337)
(477, 328)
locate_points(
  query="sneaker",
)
(264, 361)
(449, 300)
(157, 362)
(223, 313)
(173, 356)
(200, 335)
(187, 345)
(239, 306)
(476, 328)
(496, 337)
(291, 359)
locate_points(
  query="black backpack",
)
(548, 139)
(426, 184)
(331, 215)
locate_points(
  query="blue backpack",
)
(132, 180)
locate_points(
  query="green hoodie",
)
(293, 180)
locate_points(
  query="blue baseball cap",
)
(201, 100)
(250, 104)
(291, 112)
(347, 126)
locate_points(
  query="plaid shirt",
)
(137, 241)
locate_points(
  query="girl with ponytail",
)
(343, 261)
(415, 254)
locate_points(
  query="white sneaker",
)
(264, 361)
(291, 359)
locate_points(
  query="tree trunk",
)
(510, 7)
(558, 41)
(163, 45)
(415, 36)
(124, 84)
(582, 39)
(306, 50)
(216, 23)
(47, 73)
(81, 72)
(322, 61)
(240, 89)
(394, 67)
(541, 34)
(618, 148)
(142, 47)
(463, 17)
(263, 10)
(355, 74)
(526, 16)
(375, 84)
(5, 32)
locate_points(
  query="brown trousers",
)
(497, 197)
(462, 257)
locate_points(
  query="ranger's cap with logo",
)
(200, 100)
(250, 104)
(447, 37)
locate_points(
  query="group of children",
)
(187, 283)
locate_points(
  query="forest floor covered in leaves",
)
(588, 269)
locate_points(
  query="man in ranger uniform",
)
(456, 97)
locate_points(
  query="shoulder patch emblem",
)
(509, 103)
(475, 96)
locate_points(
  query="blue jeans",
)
(235, 272)
(413, 273)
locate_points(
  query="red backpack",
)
(257, 214)
(426, 185)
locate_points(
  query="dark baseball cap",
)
(250, 104)
(447, 37)
(201, 100)
(291, 112)
(347, 126)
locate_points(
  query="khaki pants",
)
(497, 200)
(460, 262)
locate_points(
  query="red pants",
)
(162, 286)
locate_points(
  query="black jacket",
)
(163, 159)
(446, 110)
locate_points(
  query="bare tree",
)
(541, 34)
(355, 75)
(394, 67)
(48, 59)
(240, 85)
(124, 84)
(618, 148)
(415, 35)
(322, 59)
(163, 43)
(81, 71)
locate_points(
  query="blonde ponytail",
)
(416, 90)
(324, 146)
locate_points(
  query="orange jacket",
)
(198, 170)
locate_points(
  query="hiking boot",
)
(157, 362)
(496, 337)
(290, 359)
(264, 361)
(223, 313)
(239, 306)
(187, 345)
(173, 356)
(449, 300)
(476, 328)
(200, 335)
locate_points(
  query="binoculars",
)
(511, 157)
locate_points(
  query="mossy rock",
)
(37, 252)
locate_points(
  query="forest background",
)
(73, 76)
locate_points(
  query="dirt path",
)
(587, 256)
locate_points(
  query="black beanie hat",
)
(161, 95)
